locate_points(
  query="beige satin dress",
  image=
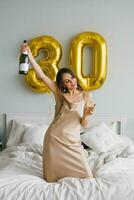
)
(63, 154)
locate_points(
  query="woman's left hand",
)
(88, 110)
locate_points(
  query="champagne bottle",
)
(23, 62)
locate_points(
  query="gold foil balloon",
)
(48, 63)
(99, 68)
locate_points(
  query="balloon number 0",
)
(49, 64)
(99, 68)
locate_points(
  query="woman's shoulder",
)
(88, 98)
(87, 94)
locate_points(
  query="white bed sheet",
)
(21, 176)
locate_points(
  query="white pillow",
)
(114, 126)
(128, 141)
(101, 138)
(17, 130)
(34, 134)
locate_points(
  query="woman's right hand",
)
(24, 48)
(37, 68)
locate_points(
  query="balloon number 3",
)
(49, 64)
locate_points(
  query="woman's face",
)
(69, 81)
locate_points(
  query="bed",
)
(109, 151)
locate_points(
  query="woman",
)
(63, 154)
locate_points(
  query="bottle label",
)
(24, 67)
(25, 52)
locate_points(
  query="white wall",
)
(64, 19)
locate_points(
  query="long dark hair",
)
(59, 80)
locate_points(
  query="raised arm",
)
(50, 83)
